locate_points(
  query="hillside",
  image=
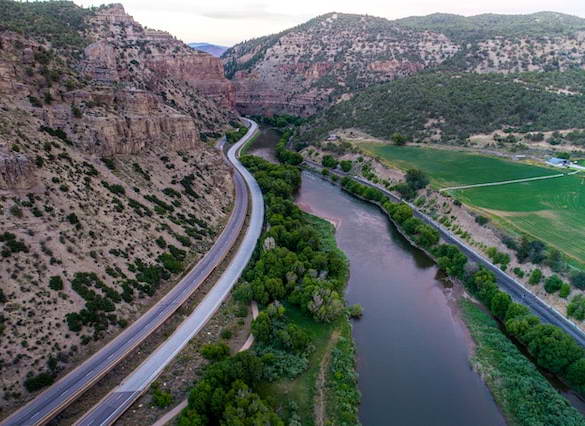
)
(212, 49)
(452, 106)
(303, 69)
(109, 185)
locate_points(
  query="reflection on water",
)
(412, 348)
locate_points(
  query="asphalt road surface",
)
(122, 397)
(506, 282)
(50, 402)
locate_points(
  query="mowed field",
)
(552, 210)
(452, 168)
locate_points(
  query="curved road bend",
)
(123, 396)
(50, 402)
(518, 292)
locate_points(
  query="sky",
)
(227, 22)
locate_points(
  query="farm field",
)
(451, 168)
(550, 210)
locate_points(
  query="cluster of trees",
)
(293, 265)
(460, 105)
(364, 191)
(414, 180)
(227, 394)
(536, 252)
(284, 155)
(236, 135)
(298, 269)
(279, 121)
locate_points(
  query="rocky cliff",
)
(109, 183)
(301, 70)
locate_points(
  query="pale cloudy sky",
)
(230, 21)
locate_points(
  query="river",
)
(413, 350)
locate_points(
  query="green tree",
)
(535, 277)
(416, 178)
(215, 351)
(329, 162)
(553, 284)
(398, 139)
(500, 304)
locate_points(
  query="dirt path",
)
(507, 182)
(320, 383)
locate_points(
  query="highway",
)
(123, 396)
(506, 282)
(54, 399)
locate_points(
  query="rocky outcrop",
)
(122, 50)
(16, 171)
(306, 68)
(133, 88)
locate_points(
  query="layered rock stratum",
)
(109, 182)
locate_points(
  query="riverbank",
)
(521, 391)
(326, 392)
(453, 262)
(296, 277)
(412, 347)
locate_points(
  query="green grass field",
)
(450, 168)
(551, 210)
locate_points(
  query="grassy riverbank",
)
(326, 392)
(523, 394)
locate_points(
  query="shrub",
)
(482, 220)
(161, 398)
(576, 308)
(535, 277)
(553, 284)
(56, 283)
(38, 382)
(215, 351)
(329, 162)
(356, 311)
(565, 290)
(346, 165)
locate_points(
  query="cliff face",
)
(16, 171)
(109, 183)
(306, 68)
(118, 53)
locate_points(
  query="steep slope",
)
(109, 185)
(212, 49)
(449, 107)
(303, 69)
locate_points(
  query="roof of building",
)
(555, 160)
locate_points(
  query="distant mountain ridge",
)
(303, 69)
(212, 49)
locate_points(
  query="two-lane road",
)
(123, 396)
(50, 402)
